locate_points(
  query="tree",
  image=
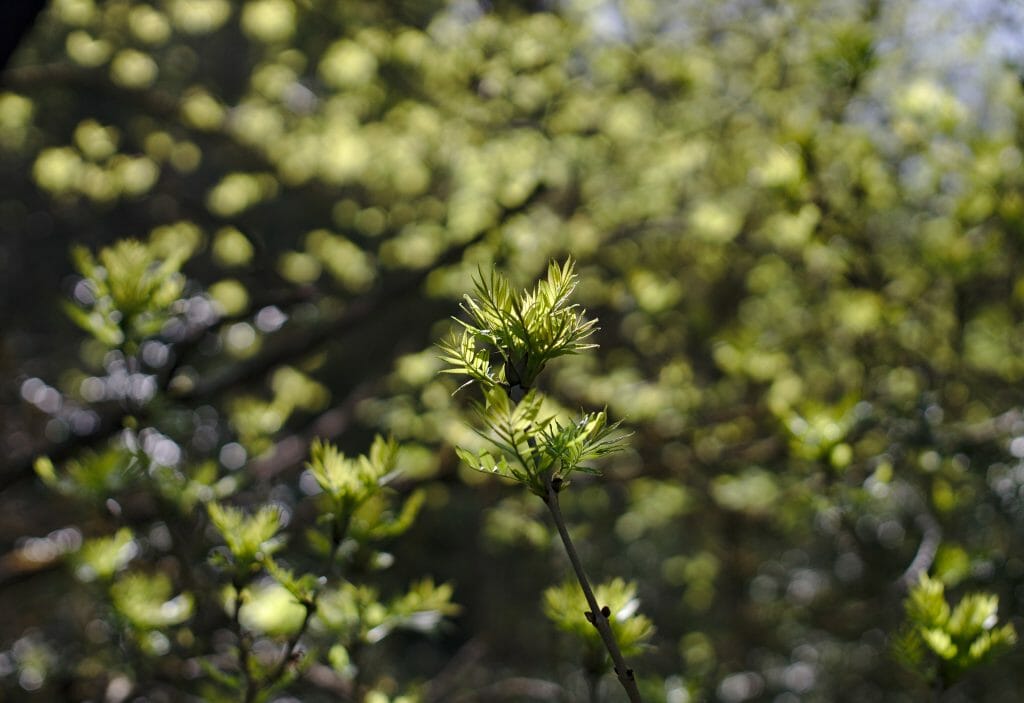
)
(801, 245)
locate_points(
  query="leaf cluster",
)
(532, 447)
(132, 286)
(350, 482)
(357, 614)
(511, 335)
(250, 538)
(564, 603)
(950, 642)
(354, 488)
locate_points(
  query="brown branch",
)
(355, 315)
(516, 688)
(112, 421)
(598, 614)
(20, 565)
(442, 686)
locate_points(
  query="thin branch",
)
(931, 539)
(249, 694)
(291, 451)
(598, 615)
(20, 564)
(360, 312)
(441, 687)
(515, 688)
(290, 648)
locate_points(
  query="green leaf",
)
(146, 601)
(271, 609)
(93, 475)
(249, 538)
(133, 285)
(588, 438)
(303, 588)
(940, 642)
(975, 613)
(565, 606)
(102, 557)
(962, 639)
(992, 643)
(350, 482)
(420, 609)
(398, 525)
(349, 610)
(525, 329)
(926, 604)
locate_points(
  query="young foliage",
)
(249, 538)
(355, 615)
(147, 601)
(91, 475)
(533, 449)
(351, 482)
(102, 557)
(131, 288)
(564, 603)
(523, 329)
(270, 599)
(947, 643)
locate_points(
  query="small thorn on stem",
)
(589, 616)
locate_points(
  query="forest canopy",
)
(233, 237)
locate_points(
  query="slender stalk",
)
(251, 688)
(290, 648)
(339, 528)
(597, 615)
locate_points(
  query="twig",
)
(289, 452)
(249, 694)
(457, 668)
(931, 538)
(597, 615)
(515, 688)
(288, 654)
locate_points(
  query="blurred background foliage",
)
(799, 224)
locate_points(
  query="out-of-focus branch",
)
(931, 539)
(292, 450)
(17, 20)
(363, 310)
(155, 102)
(21, 564)
(455, 672)
(515, 688)
(112, 421)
